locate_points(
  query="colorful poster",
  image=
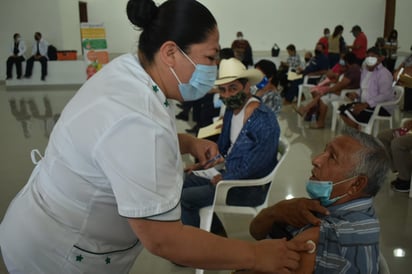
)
(94, 46)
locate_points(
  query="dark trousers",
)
(293, 89)
(14, 60)
(29, 66)
(333, 59)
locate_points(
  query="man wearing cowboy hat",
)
(248, 143)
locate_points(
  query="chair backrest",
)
(219, 204)
(383, 265)
(223, 187)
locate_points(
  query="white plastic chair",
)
(219, 205)
(373, 123)
(383, 265)
(304, 90)
(336, 104)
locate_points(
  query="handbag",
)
(275, 50)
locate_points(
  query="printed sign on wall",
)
(94, 45)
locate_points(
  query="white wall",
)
(263, 22)
(403, 23)
(57, 20)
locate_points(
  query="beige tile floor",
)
(29, 124)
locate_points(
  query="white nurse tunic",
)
(113, 154)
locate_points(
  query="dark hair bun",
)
(141, 12)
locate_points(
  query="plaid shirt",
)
(254, 153)
(349, 239)
(273, 100)
(294, 62)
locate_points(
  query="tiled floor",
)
(27, 116)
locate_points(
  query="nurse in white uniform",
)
(111, 178)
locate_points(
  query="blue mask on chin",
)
(321, 190)
(201, 82)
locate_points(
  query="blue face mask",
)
(321, 191)
(201, 82)
(342, 62)
(262, 83)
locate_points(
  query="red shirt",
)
(360, 46)
(324, 41)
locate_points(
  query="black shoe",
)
(401, 185)
(43, 78)
(19, 77)
(182, 116)
(27, 76)
(193, 130)
(8, 77)
(179, 106)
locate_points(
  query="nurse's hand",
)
(204, 151)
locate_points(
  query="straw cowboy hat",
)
(232, 69)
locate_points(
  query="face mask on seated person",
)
(370, 61)
(235, 101)
(321, 190)
(262, 83)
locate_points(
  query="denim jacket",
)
(254, 153)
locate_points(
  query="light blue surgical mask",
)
(201, 82)
(321, 190)
(342, 62)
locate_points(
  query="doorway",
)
(83, 12)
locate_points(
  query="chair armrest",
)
(343, 92)
(223, 187)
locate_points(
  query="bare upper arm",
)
(250, 108)
(307, 261)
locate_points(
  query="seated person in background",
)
(307, 58)
(248, 144)
(380, 45)
(398, 143)
(323, 95)
(345, 178)
(391, 46)
(376, 87)
(267, 88)
(17, 50)
(292, 63)
(39, 53)
(318, 65)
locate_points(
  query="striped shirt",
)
(349, 239)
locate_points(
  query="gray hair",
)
(373, 160)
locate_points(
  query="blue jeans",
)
(198, 192)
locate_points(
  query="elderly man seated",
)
(248, 144)
(345, 178)
(376, 87)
